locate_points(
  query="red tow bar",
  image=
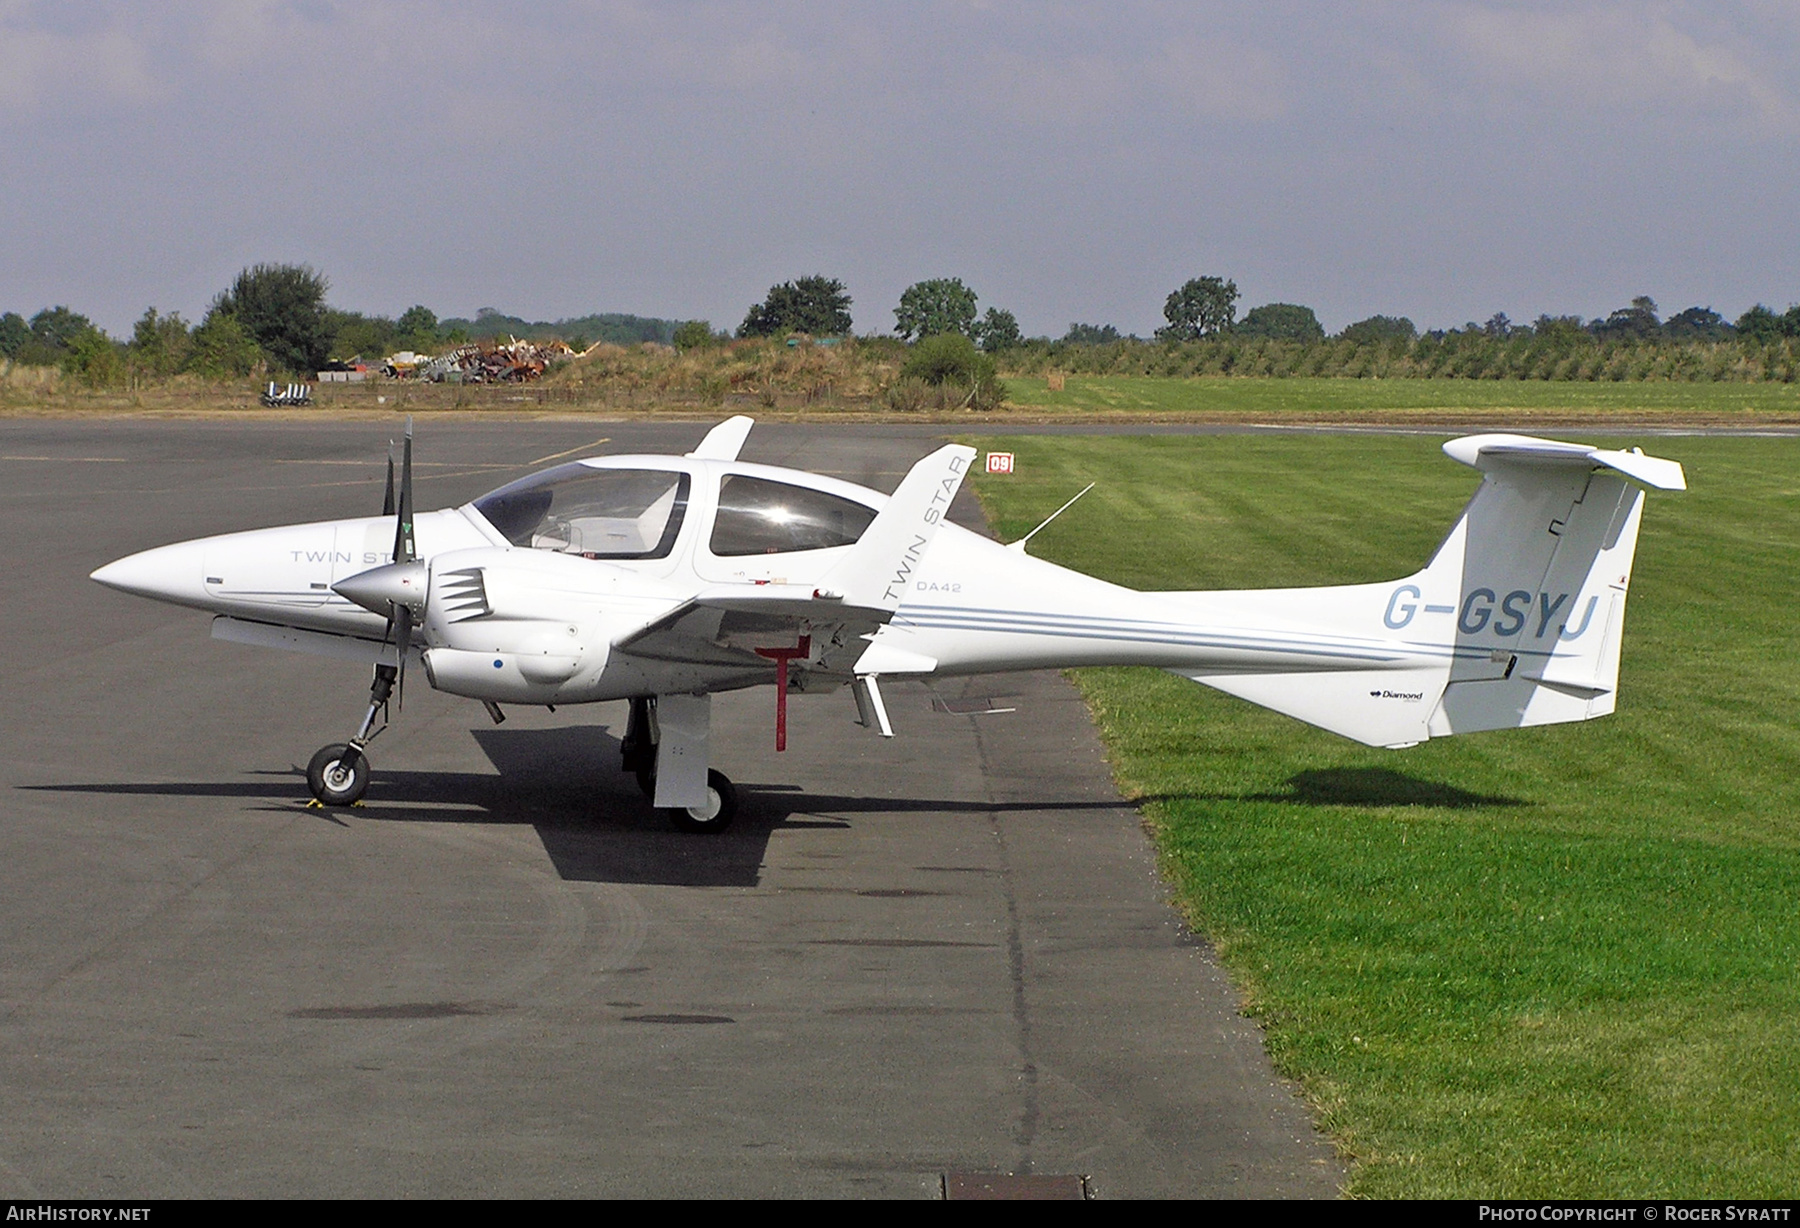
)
(781, 657)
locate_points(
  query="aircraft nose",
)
(167, 573)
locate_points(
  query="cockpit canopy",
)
(619, 513)
(600, 513)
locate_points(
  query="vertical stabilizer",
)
(1548, 543)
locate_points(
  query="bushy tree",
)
(1281, 322)
(997, 330)
(1636, 321)
(932, 308)
(48, 336)
(159, 343)
(417, 328)
(354, 334)
(951, 358)
(815, 305)
(1697, 324)
(15, 334)
(1090, 334)
(1201, 307)
(693, 335)
(1759, 324)
(282, 306)
(56, 328)
(417, 320)
(222, 348)
(1560, 329)
(1378, 329)
(93, 358)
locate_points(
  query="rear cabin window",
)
(596, 513)
(757, 516)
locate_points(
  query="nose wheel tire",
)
(715, 816)
(338, 775)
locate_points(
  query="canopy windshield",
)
(596, 513)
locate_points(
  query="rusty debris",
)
(514, 362)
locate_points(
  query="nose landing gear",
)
(339, 773)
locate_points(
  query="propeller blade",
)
(403, 629)
(405, 550)
(387, 501)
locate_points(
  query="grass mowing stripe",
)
(1557, 961)
(1324, 398)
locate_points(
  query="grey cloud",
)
(1440, 160)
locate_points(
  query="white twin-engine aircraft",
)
(662, 579)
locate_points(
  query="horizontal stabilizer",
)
(1484, 452)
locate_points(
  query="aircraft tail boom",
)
(1517, 620)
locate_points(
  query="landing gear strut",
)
(676, 727)
(339, 773)
(637, 750)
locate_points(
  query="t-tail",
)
(1516, 621)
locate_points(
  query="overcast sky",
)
(1441, 160)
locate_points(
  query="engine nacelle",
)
(527, 626)
(531, 677)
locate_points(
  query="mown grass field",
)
(1430, 400)
(1552, 962)
(859, 382)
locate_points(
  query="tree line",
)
(275, 318)
(1206, 307)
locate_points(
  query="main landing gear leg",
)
(637, 749)
(665, 744)
(339, 774)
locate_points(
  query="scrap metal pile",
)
(514, 362)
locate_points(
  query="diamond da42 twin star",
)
(662, 580)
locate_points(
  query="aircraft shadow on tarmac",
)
(1365, 787)
(594, 823)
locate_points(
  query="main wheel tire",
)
(338, 775)
(646, 781)
(716, 815)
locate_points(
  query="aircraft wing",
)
(364, 649)
(724, 624)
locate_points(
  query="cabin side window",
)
(758, 516)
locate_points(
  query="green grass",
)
(1421, 398)
(1553, 962)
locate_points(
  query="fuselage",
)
(534, 587)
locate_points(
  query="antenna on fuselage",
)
(1020, 544)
